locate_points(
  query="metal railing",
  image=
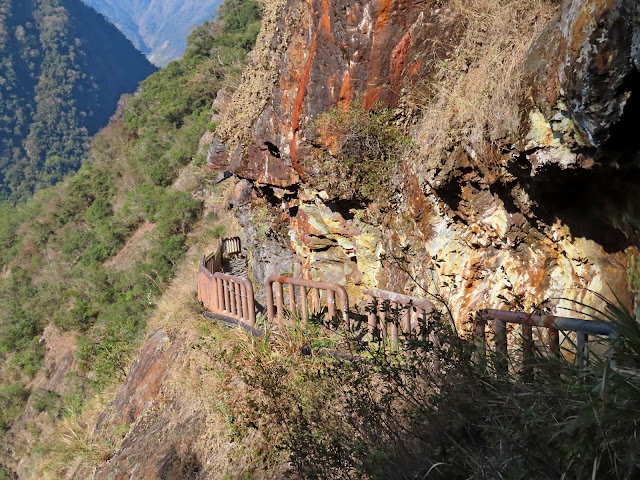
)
(234, 298)
(213, 262)
(224, 294)
(309, 298)
(224, 246)
(393, 314)
(553, 324)
(231, 245)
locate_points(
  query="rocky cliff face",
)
(547, 209)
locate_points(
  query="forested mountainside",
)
(158, 28)
(63, 68)
(84, 262)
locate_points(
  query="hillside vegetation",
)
(63, 68)
(284, 407)
(57, 249)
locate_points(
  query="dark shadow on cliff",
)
(601, 203)
(176, 465)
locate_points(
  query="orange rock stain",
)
(379, 34)
(399, 57)
(371, 97)
(346, 91)
(324, 27)
(383, 15)
(413, 69)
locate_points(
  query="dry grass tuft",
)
(67, 447)
(476, 95)
(251, 98)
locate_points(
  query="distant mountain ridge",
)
(158, 28)
(63, 68)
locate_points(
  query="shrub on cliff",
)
(12, 400)
(356, 151)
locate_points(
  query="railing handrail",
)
(421, 303)
(231, 245)
(377, 317)
(591, 327)
(215, 255)
(238, 301)
(202, 266)
(214, 252)
(552, 323)
(211, 266)
(247, 305)
(301, 282)
(223, 246)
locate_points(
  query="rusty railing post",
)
(268, 289)
(553, 325)
(382, 313)
(500, 339)
(316, 300)
(331, 303)
(251, 302)
(395, 321)
(303, 304)
(315, 287)
(527, 344)
(582, 339)
(554, 334)
(406, 320)
(479, 339)
(220, 294)
(239, 302)
(421, 324)
(225, 294)
(279, 302)
(398, 309)
(292, 300)
(372, 317)
(344, 301)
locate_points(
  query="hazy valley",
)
(158, 28)
(63, 70)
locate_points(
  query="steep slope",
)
(158, 28)
(452, 175)
(84, 262)
(63, 69)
